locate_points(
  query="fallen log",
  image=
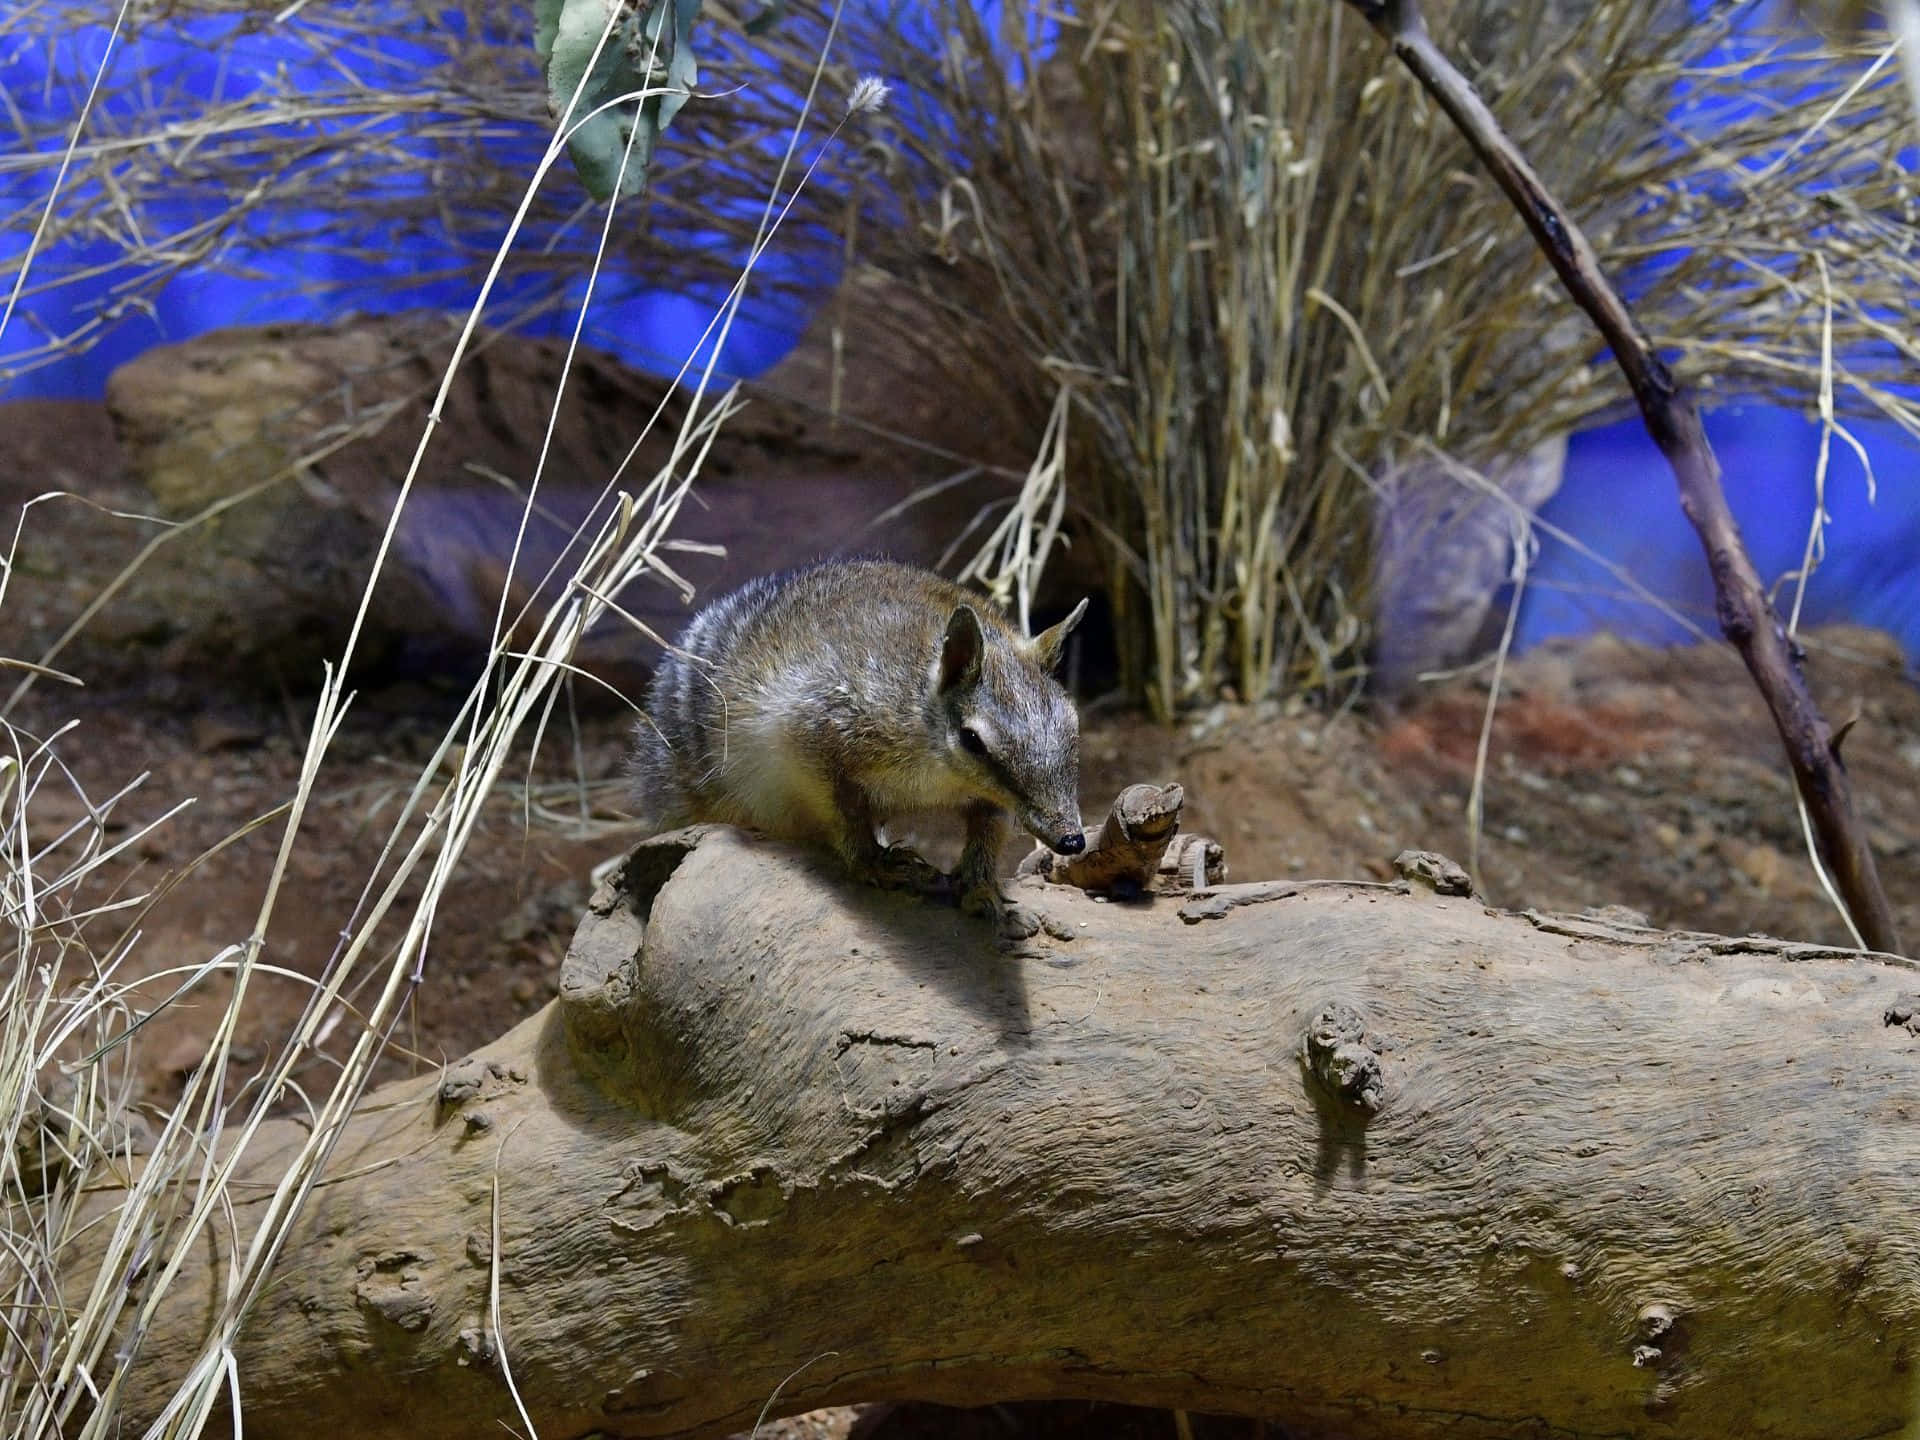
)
(1370, 1160)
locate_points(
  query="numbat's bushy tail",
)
(815, 704)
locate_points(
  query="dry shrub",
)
(1263, 268)
(1267, 270)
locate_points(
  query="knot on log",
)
(1192, 862)
(394, 1288)
(475, 1348)
(600, 982)
(1660, 1342)
(1338, 1057)
(1655, 1323)
(1123, 852)
(1904, 1013)
(1433, 870)
(469, 1082)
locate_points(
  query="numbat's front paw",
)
(1020, 922)
(982, 900)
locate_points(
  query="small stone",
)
(1628, 776)
(1208, 723)
(212, 733)
(1444, 876)
(1668, 835)
(1763, 865)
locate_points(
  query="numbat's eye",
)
(970, 740)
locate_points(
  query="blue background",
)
(1618, 497)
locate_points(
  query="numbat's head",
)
(1010, 732)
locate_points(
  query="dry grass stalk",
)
(69, 1346)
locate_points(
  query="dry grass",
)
(1265, 270)
(69, 1027)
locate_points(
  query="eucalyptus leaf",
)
(651, 49)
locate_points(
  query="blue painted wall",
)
(1620, 502)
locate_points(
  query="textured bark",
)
(1364, 1159)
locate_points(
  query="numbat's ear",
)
(1045, 647)
(961, 649)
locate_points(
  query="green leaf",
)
(651, 49)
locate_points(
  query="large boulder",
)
(286, 444)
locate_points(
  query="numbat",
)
(814, 705)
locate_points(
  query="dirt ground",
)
(1614, 775)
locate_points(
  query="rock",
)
(1444, 552)
(212, 731)
(301, 434)
(1762, 864)
(554, 909)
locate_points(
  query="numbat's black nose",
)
(1070, 844)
